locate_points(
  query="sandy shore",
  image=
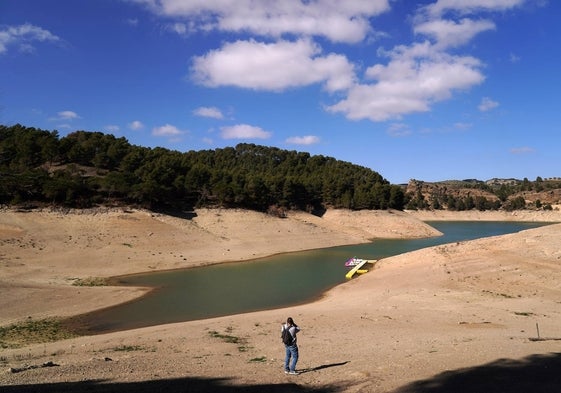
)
(463, 309)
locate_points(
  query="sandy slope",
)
(43, 252)
(415, 316)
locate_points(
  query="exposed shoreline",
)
(112, 243)
(484, 298)
(77, 324)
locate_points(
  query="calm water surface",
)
(267, 283)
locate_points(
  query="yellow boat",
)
(359, 269)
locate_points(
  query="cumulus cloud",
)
(448, 33)
(303, 140)
(462, 126)
(281, 53)
(211, 112)
(514, 58)
(338, 21)
(470, 6)
(179, 28)
(112, 128)
(414, 78)
(522, 150)
(487, 104)
(272, 66)
(136, 125)
(244, 131)
(23, 36)
(399, 130)
(65, 118)
(67, 115)
(167, 130)
(423, 73)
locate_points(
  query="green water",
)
(267, 283)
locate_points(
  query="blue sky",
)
(430, 90)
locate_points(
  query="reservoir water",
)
(266, 283)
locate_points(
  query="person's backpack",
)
(286, 336)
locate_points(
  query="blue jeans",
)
(291, 352)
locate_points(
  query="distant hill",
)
(85, 169)
(493, 194)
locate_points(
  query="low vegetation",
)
(229, 338)
(225, 337)
(128, 348)
(32, 332)
(90, 282)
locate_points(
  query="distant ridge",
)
(493, 194)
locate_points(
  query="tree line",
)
(502, 195)
(84, 169)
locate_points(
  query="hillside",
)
(494, 194)
(88, 169)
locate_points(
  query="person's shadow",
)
(309, 370)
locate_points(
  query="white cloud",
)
(449, 33)
(136, 125)
(399, 130)
(303, 140)
(462, 126)
(487, 104)
(23, 36)
(338, 21)
(522, 150)
(423, 73)
(416, 77)
(244, 131)
(514, 58)
(470, 6)
(167, 130)
(112, 128)
(65, 116)
(272, 66)
(179, 28)
(211, 112)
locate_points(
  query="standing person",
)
(291, 346)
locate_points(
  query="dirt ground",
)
(482, 315)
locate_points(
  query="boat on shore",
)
(359, 266)
(353, 261)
